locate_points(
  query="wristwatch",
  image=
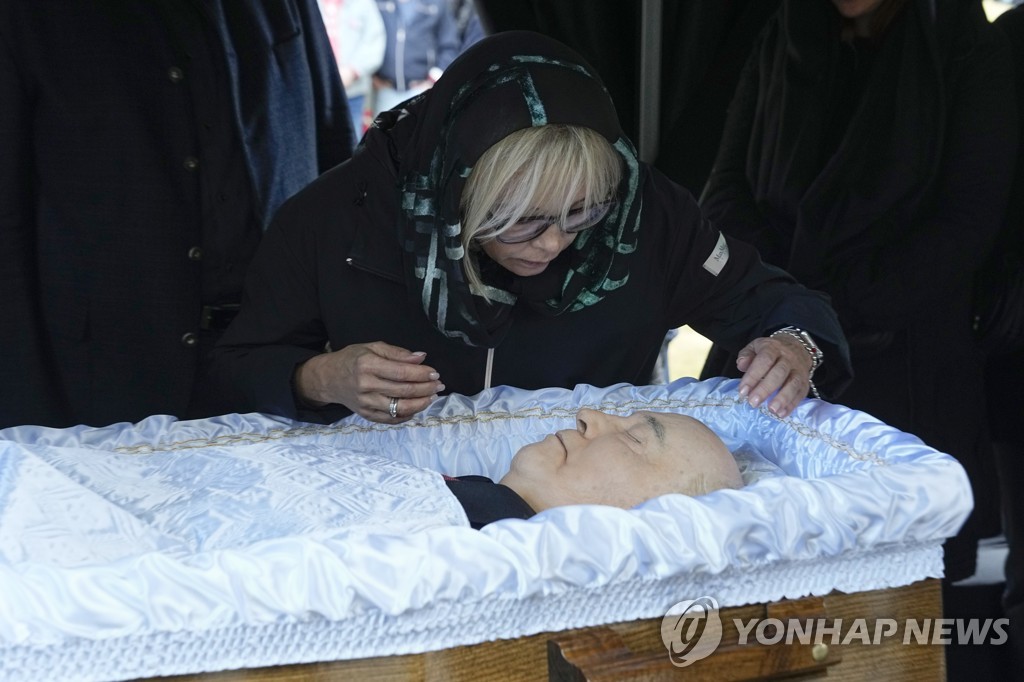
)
(812, 348)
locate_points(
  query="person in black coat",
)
(499, 229)
(1004, 375)
(146, 145)
(868, 151)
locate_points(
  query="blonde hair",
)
(530, 170)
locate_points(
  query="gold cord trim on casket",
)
(664, 404)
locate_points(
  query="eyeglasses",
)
(577, 220)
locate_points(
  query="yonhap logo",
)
(691, 630)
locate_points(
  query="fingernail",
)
(744, 390)
(754, 401)
(433, 397)
(774, 409)
(419, 353)
(440, 387)
(435, 376)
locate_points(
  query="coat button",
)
(191, 163)
(189, 340)
(195, 253)
(175, 75)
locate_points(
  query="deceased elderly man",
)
(607, 459)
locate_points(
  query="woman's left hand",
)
(781, 364)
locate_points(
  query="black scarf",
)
(502, 84)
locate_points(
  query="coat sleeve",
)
(720, 287)
(28, 393)
(334, 134)
(279, 326)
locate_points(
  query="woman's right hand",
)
(364, 377)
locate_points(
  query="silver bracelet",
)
(817, 357)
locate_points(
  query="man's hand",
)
(364, 377)
(779, 363)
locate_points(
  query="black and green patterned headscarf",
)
(502, 84)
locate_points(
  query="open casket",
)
(287, 551)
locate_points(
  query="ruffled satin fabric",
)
(171, 547)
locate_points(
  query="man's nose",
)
(592, 422)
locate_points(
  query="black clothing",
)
(113, 229)
(1004, 376)
(705, 44)
(894, 222)
(336, 266)
(486, 501)
(230, 231)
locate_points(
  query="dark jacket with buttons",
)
(123, 124)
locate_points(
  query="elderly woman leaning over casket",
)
(499, 229)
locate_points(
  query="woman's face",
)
(532, 257)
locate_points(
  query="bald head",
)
(704, 464)
(622, 461)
